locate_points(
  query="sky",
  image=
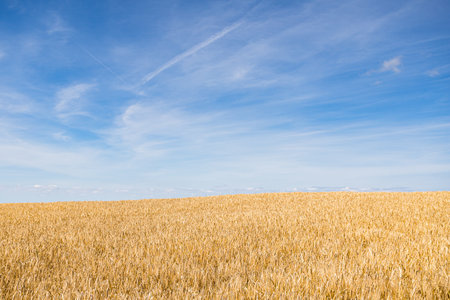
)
(109, 100)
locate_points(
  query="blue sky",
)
(104, 100)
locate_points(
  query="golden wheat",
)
(289, 245)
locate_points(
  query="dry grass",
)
(325, 245)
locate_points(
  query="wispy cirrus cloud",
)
(433, 73)
(437, 71)
(13, 102)
(155, 129)
(69, 98)
(190, 52)
(55, 25)
(61, 136)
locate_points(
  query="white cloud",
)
(46, 188)
(56, 25)
(71, 161)
(69, 97)
(152, 129)
(433, 73)
(391, 65)
(61, 136)
(13, 102)
(240, 73)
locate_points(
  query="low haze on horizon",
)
(109, 100)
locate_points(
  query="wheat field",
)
(287, 245)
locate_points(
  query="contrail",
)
(189, 52)
(101, 63)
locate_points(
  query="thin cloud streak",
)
(68, 95)
(190, 52)
(102, 64)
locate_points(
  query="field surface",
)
(289, 245)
